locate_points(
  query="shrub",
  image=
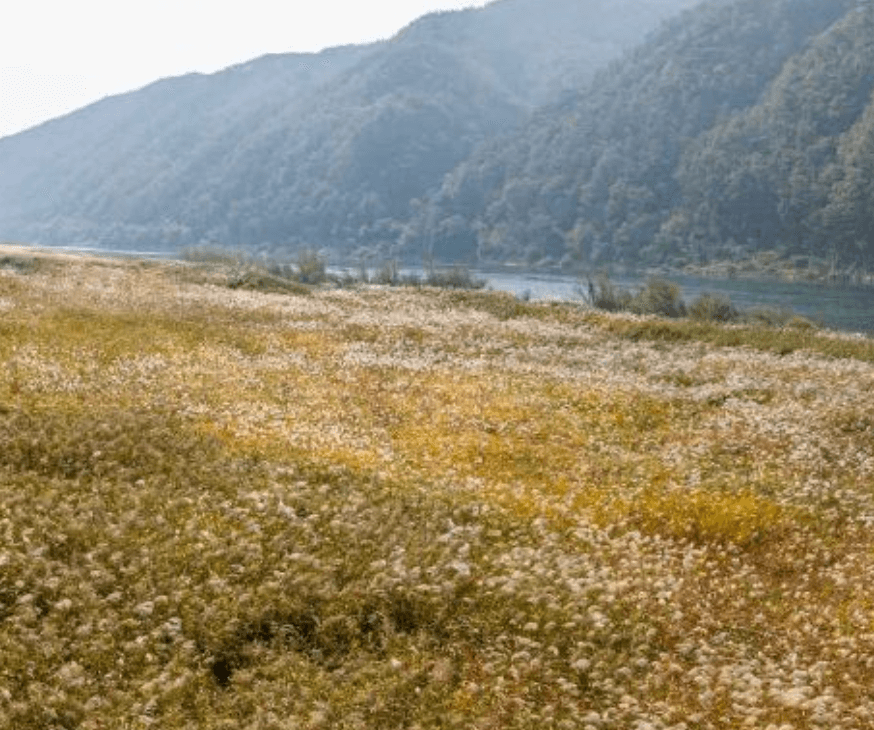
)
(310, 267)
(282, 270)
(411, 280)
(363, 276)
(659, 296)
(500, 304)
(770, 316)
(255, 280)
(388, 274)
(345, 279)
(456, 277)
(603, 294)
(208, 253)
(801, 323)
(22, 264)
(713, 308)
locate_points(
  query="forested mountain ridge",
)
(660, 160)
(107, 172)
(801, 161)
(323, 150)
(737, 128)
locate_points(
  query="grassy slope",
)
(399, 508)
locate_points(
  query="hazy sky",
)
(59, 55)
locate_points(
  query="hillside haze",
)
(325, 150)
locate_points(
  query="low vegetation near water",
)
(368, 507)
(310, 268)
(663, 298)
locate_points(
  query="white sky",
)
(60, 55)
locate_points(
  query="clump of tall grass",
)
(499, 304)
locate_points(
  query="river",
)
(841, 307)
(847, 308)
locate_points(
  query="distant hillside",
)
(323, 150)
(740, 127)
(796, 170)
(519, 132)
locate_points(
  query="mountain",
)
(739, 127)
(795, 170)
(324, 150)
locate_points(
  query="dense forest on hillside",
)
(324, 150)
(660, 159)
(520, 132)
(796, 169)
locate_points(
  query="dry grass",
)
(415, 508)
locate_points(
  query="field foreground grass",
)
(398, 508)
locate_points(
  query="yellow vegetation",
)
(402, 508)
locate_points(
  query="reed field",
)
(393, 507)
